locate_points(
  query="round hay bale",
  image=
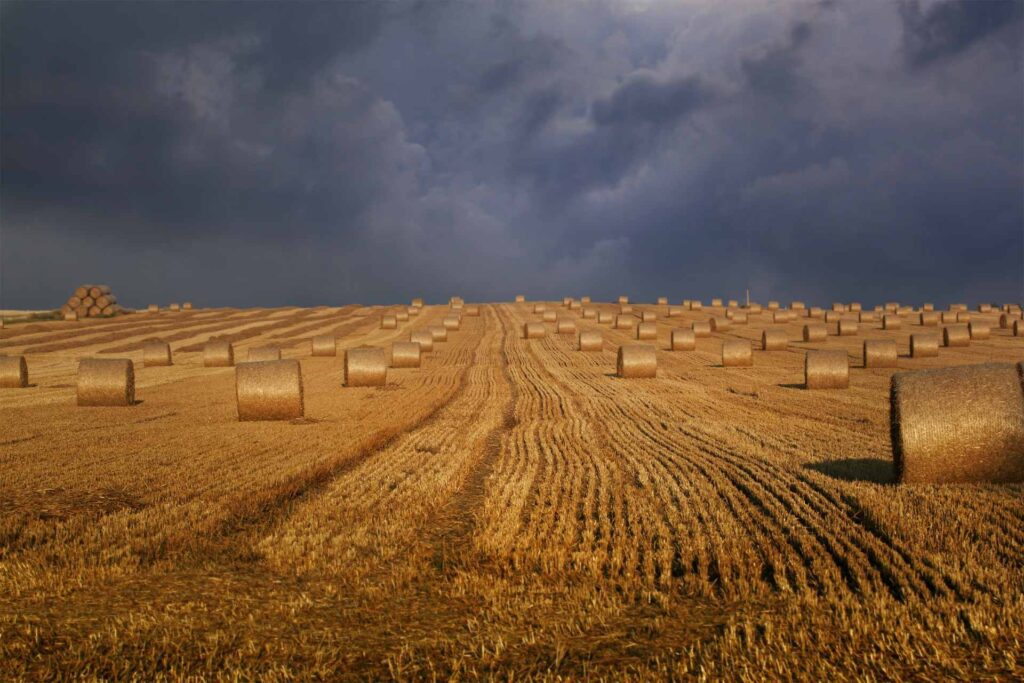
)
(815, 332)
(88, 302)
(984, 308)
(74, 302)
(719, 323)
(456, 303)
(472, 310)
(956, 335)
(839, 307)
(624, 322)
(13, 372)
(737, 353)
(963, 317)
(924, 345)
(439, 333)
(958, 425)
(928, 307)
(815, 312)
(733, 303)
(905, 310)
(701, 329)
(365, 367)
(218, 353)
(325, 345)
(153, 308)
(647, 331)
(534, 330)
(773, 305)
(696, 306)
(623, 299)
(832, 316)
(566, 300)
(637, 361)
(663, 301)
(174, 307)
(108, 311)
(574, 304)
(847, 328)
(605, 317)
(774, 339)
(105, 382)
(675, 311)
(958, 307)
(589, 313)
(1018, 328)
(71, 316)
(865, 317)
(269, 390)
(82, 312)
(978, 330)
(96, 291)
(565, 326)
(737, 317)
(716, 303)
(682, 340)
(424, 339)
(402, 316)
(388, 322)
(520, 298)
(1006, 321)
(584, 299)
(928, 319)
(539, 308)
(891, 321)
(452, 322)
(892, 307)
(549, 316)
(798, 306)
(405, 354)
(826, 370)
(187, 306)
(156, 354)
(880, 353)
(648, 316)
(855, 307)
(780, 316)
(261, 354)
(948, 317)
(95, 311)
(417, 303)
(82, 292)
(107, 300)
(625, 309)
(590, 340)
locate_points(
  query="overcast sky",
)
(258, 154)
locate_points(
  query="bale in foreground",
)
(590, 340)
(365, 367)
(106, 382)
(880, 353)
(637, 361)
(737, 353)
(424, 339)
(218, 353)
(405, 354)
(534, 330)
(156, 354)
(962, 424)
(683, 340)
(269, 390)
(13, 372)
(826, 370)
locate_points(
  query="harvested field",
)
(509, 508)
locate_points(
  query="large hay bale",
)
(262, 354)
(218, 353)
(109, 300)
(891, 321)
(774, 339)
(452, 322)
(565, 326)
(984, 308)
(838, 307)
(682, 340)
(424, 339)
(865, 317)
(439, 333)
(826, 370)
(663, 301)
(590, 340)
(719, 323)
(732, 303)
(773, 305)
(637, 361)
(647, 331)
(880, 353)
(924, 345)
(847, 328)
(956, 335)
(797, 306)
(958, 307)
(95, 311)
(701, 329)
(978, 330)
(156, 354)
(365, 367)
(325, 345)
(675, 311)
(13, 372)
(105, 382)
(648, 316)
(737, 353)
(624, 322)
(928, 319)
(605, 317)
(855, 307)
(958, 425)
(534, 330)
(1006, 321)
(589, 313)
(269, 390)
(815, 332)
(388, 322)
(405, 354)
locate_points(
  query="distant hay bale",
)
(701, 329)
(187, 306)
(584, 299)
(439, 333)
(153, 308)
(865, 317)
(156, 354)
(13, 372)
(623, 300)
(737, 353)
(417, 303)
(108, 311)
(105, 382)
(549, 316)
(732, 303)
(566, 300)
(424, 339)
(663, 301)
(174, 308)
(590, 340)
(605, 317)
(719, 323)
(892, 307)
(1006, 321)
(905, 310)
(456, 303)
(963, 317)
(696, 305)
(405, 354)
(797, 306)
(70, 316)
(675, 311)
(847, 328)
(402, 316)
(325, 345)
(648, 316)
(1018, 328)
(452, 322)
(978, 330)
(880, 353)
(261, 354)
(924, 345)
(74, 301)
(928, 319)
(956, 335)
(365, 367)
(839, 307)
(855, 307)
(574, 304)
(736, 316)
(891, 321)
(773, 305)
(624, 322)
(815, 312)
(637, 361)
(948, 317)
(565, 326)
(82, 292)
(388, 322)
(589, 313)
(539, 308)
(984, 308)
(534, 330)
(716, 303)
(218, 353)
(832, 316)
(682, 340)
(95, 311)
(755, 309)
(928, 307)
(826, 370)
(472, 310)
(647, 331)
(269, 390)
(520, 298)
(625, 309)
(958, 425)
(96, 291)
(815, 332)
(88, 302)
(958, 307)
(109, 300)
(774, 339)
(779, 316)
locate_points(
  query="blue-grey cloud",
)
(951, 26)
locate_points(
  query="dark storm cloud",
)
(773, 71)
(951, 26)
(642, 99)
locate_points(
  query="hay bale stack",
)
(365, 367)
(424, 339)
(924, 345)
(156, 354)
(218, 353)
(847, 328)
(605, 318)
(623, 299)
(880, 353)
(958, 425)
(826, 370)
(663, 301)
(174, 308)
(388, 322)
(624, 322)
(405, 354)
(637, 361)
(82, 292)
(719, 323)
(549, 316)
(647, 331)
(590, 340)
(105, 382)
(815, 332)
(325, 345)
(534, 330)
(539, 308)
(737, 353)
(956, 335)
(90, 301)
(978, 331)
(13, 372)
(439, 333)
(589, 313)
(262, 354)
(675, 311)
(928, 319)
(625, 309)
(520, 298)
(701, 329)
(774, 339)
(891, 321)
(565, 326)
(682, 340)
(452, 321)
(269, 390)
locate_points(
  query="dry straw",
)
(96, 291)
(928, 319)
(605, 317)
(984, 308)
(815, 312)
(978, 330)
(624, 322)
(663, 301)
(413, 311)
(82, 292)
(832, 316)
(648, 316)
(675, 311)
(924, 345)
(958, 425)
(891, 307)
(647, 331)
(574, 304)
(826, 370)
(584, 299)
(963, 317)
(534, 330)
(565, 326)
(701, 329)
(755, 309)
(855, 307)
(905, 310)
(847, 328)
(797, 305)
(865, 316)
(452, 322)
(269, 390)
(405, 354)
(549, 316)
(261, 354)
(365, 367)
(732, 303)
(719, 323)
(637, 361)
(839, 307)
(737, 353)
(928, 307)
(106, 382)
(439, 333)
(13, 372)
(1018, 328)
(590, 340)
(218, 353)
(682, 340)
(956, 335)
(891, 321)
(737, 317)
(187, 306)
(156, 354)
(418, 303)
(774, 339)
(388, 322)
(696, 306)
(325, 345)
(424, 339)
(773, 305)
(71, 316)
(880, 353)
(153, 308)
(958, 307)
(815, 332)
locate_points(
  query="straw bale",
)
(269, 390)
(260, 354)
(105, 382)
(365, 366)
(590, 340)
(637, 361)
(737, 352)
(815, 332)
(880, 353)
(956, 335)
(405, 354)
(325, 345)
(534, 330)
(647, 331)
(774, 339)
(924, 345)
(13, 372)
(218, 353)
(156, 354)
(826, 370)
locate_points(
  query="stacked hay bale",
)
(91, 301)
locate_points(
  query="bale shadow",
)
(792, 385)
(873, 470)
